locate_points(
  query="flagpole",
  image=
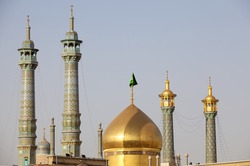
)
(132, 83)
(132, 95)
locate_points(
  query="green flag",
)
(133, 81)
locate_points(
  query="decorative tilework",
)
(27, 122)
(168, 136)
(71, 117)
(211, 155)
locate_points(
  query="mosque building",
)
(131, 139)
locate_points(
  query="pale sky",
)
(191, 39)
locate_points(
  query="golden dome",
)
(166, 93)
(132, 128)
(210, 97)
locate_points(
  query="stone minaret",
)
(27, 121)
(52, 137)
(71, 117)
(100, 147)
(167, 107)
(210, 112)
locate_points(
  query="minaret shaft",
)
(100, 147)
(71, 116)
(71, 96)
(168, 136)
(211, 155)
(27, 122)
(52, 137)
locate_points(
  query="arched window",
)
(71, 46)
(26, 161)
(22, 56)
(77, 48)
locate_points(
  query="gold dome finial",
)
(28, 28)
(210, 89)
(71, 19)
(167, 75)
(210, 102)
(167, 82)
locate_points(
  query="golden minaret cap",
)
(167, 96)
(210, 102)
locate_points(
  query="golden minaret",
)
(210, 112)
(167, 106)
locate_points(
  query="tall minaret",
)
(27, 121)
(210, 112)
(52, 137)
(71, 117)
(100, 147)
(167, 107)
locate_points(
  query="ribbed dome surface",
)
(167, 92)
(28, 44)
(71, 35)
(43, 147)
(132, 128)
(210, 98)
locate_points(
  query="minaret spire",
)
(167, 82)
(43, 133)
(28, 28)
(210, 89)
(71, 19)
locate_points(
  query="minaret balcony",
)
(34, 62)
(29, 58)
(71, 49)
